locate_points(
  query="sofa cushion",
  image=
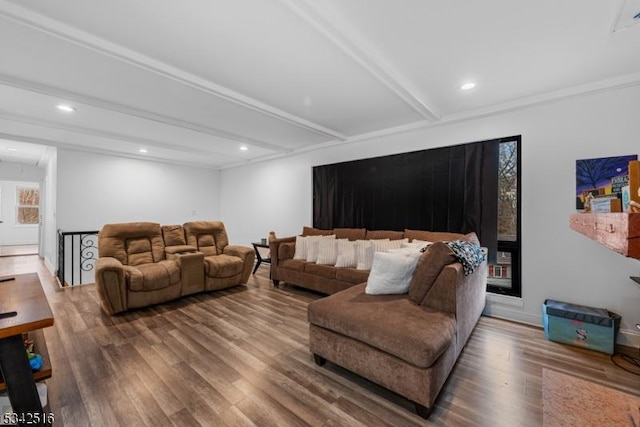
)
(430, 264)
(350, 233)
(293, 264)
(390, 323)
(286, 250)
(138, 250)
(351, 275)
(384, 234)
(431, 236)
(153, 276)
(310, 231)
(326, 271)
(173, 235)
(222, 266)
(206, 244)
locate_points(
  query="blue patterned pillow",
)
(469, 254)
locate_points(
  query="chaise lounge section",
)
(407, 343)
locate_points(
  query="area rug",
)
(571, 401)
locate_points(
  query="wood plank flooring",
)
(240, 358)
(18, 250)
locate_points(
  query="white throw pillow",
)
(415, 243)
(328, 251)
(301, 248)
(391, 273)
(361, 254)
(313, 243)
(366, 249)
(346, 254)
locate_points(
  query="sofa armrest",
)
(110, 284)
(246, 254)
(191, 270)
(461, 296)
(179, 249)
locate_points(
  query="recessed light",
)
(468, 86)
(12, 149)
(244, 148)
(143, 150)
(66, 108)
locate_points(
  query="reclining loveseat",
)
(144, 263)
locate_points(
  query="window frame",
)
(19, 206)
(513, 247)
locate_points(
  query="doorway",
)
(20, 218)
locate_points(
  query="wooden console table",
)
(23, 295)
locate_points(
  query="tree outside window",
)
(28, 205)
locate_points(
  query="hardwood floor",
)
(239, 358)
(18, 250)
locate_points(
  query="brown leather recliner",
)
(132, 269)
(224, 265)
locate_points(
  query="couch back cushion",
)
(208, 237)
(430, 265)
(341, 233)
(173, 235)
(384, 234)
(310, 231)
(350, 233)
(132, 243)
(432, 236)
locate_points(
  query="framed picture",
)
(601, 176)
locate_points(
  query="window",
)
(504, 270)
(27, 205)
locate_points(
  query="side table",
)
(257, 245)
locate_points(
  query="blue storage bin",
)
(581, 326)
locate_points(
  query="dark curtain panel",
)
(444, 189)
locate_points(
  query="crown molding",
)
(110, 135)
(81, 38)
(357, 49)
(132, 111)
(577, 91)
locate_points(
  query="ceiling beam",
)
(132, 111)
(59, 144)
(112, 135)
(81, 38)
(357, 49)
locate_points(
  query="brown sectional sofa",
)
(144, 263)
(329, 279)
(408, 343)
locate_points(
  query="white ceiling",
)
(193, 81)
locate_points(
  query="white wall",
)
(95, 189)
(18, 172)
(557, 262)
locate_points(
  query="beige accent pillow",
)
(301, 248)
(346, 254)
(313, 243)
(328, 251)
